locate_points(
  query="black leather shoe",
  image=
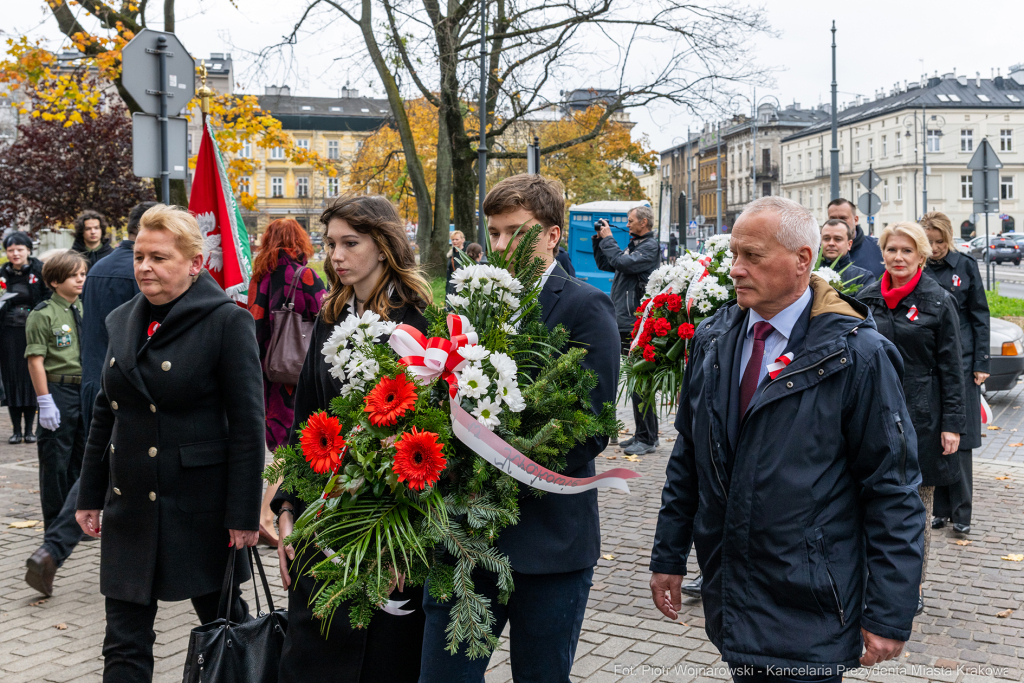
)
(692, 589)
(920, 606)
(15, 438)
(31, 438)
(41, 570)
(938, 522)
(962, 528)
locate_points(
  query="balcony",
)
(768, 172)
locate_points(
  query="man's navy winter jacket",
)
(866, 254)
(805, 515)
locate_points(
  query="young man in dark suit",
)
(555, 545)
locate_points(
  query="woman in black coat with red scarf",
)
(370, 267)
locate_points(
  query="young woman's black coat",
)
(933, 379)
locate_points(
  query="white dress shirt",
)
(547, 274)
(775, 344)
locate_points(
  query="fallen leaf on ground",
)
(1002, 478)
(37, 603)
(961, 542)
(631, 458)
(1015, 557)
(684, 623)
(1016, 407)
(1007, 487)
(611, 457)
(1004, 614)
(992, 427)
(669, 440)
(608, 557)
(23, 524)
(623, 431)
(1012, 445)
(61, 627)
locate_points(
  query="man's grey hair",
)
(797, 227)
(644, 213)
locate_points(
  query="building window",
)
(789, 166)
(885, 191)
(766, 189)
(302, 187)
(810, 163)
(246, 152)
(277, 187)
(933, 140)
(277, 153)
(821, 198)
(967, 140)
(966, 187)
(871, 148)
(303, 144)
(332, 187)
(1006, 140)
(856, 151)
(899, 144)
(885, 146)
(800, 197)
(799, 163)
(243, 185)
(899, 185)
(332, 149)
(190, 151)
(1006, 187)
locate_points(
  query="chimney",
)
(285, 91)
(977, 79)
(271, 90)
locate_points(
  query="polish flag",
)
(779, 365)
(986, 412)
(956, 280)
(912, 314)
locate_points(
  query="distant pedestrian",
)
(476, 252)
(91, 239)
(917, 315)
(958, 274)
(21, 283)
(836, 241)
(864, 252)
(454, 258)
(673, 247)
(563, 260)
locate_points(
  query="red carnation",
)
(643, 305)
(649, 353)
(646, 337)
(636, 327)
(660, 300)
(686, 331)
(662, 326)
(675, 303)
(322, 442)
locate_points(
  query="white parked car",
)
(1006, 351)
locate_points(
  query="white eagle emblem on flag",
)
(213, 254)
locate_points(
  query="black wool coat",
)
(933, 379)
(176, 446)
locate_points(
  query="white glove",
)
(49, 415)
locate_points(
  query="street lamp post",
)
(834, 152)
(718, 180)
(482, 147)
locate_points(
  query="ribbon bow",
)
(433, 357)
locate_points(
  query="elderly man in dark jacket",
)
(808, 528)
(632, 268)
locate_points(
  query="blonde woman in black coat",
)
(176, 449)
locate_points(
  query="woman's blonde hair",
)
(180, 223)
(936, 220)
(910, 230)
(456, 233)
(401, 284)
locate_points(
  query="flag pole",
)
(204, 92)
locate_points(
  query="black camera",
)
(600, 223)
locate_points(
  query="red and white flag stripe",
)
(912, 314)
(779, 365)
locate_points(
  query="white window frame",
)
(243, 184)
(277, 153)
(934, 136)
(899, 145)
(871, 148)
(334, 149)
(885, 191)
(799, 163)
(1006, 140)
(966, 187)
(246, 151)
(333, 186)
(885, 146)
(277, 186)
(899, 188)
(856, 151)
(1007, 189)
(302, 187)
(302, 143)
(966, 139)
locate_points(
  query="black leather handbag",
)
(250, 652)
(289, 340)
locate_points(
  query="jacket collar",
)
(952, 257)
(552, 291)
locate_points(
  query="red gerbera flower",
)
(675, 303)
(322, 442)
(389, 400)
(418, 459)
(649, 353)
(662, 326)
(686, 331)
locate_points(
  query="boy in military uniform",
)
(54, 358)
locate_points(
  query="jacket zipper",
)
(714, 463)
(903, 450)
(832, 582)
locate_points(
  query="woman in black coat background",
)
(176, 448)
(370, 267)
(913, 312)
(21, 283)
(959, 275)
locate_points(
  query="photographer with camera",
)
(632, 268)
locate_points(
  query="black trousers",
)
(63, 532)
(128, 644)
(954, 502)
(60, 451)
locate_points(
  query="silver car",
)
(1006, 351)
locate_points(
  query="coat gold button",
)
(152, 408)
(111, 362)
(152, 452)
(111, 448)
(152, 496)
(113, 404)
(165, 366)
(117, 491)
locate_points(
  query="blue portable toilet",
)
(581, 229)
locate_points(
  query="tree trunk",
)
(435, 263)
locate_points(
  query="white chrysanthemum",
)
(387, 327)
(508, 392)
(456, 300)
(487, 412)
(510, 299)
(473, 382)
(473, 352)
(717, 244)
(828, 275)
(509, 329)
(504, 365)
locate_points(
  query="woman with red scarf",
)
(917, 315)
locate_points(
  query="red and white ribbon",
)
(704, 261)
(496, 451)
(779, 365)
(433, 357)
(986, 412)
(956, 280)
(912, 314)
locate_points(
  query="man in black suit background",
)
(555, 545)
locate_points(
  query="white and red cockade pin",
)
(779, 365)
(956, 280)
(912, 314)
(32, 279)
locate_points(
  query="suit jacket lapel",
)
(550, 295)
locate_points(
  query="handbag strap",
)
(227, 589)
(255, 558)
(296, 279)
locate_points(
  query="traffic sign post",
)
(985, 166)
(869, 203)
(146, 146)
(173, 72)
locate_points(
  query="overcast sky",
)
(879, 43)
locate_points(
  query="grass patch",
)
(1002, 306)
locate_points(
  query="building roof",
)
(325, 113)
(945, 92)
(787, 117)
